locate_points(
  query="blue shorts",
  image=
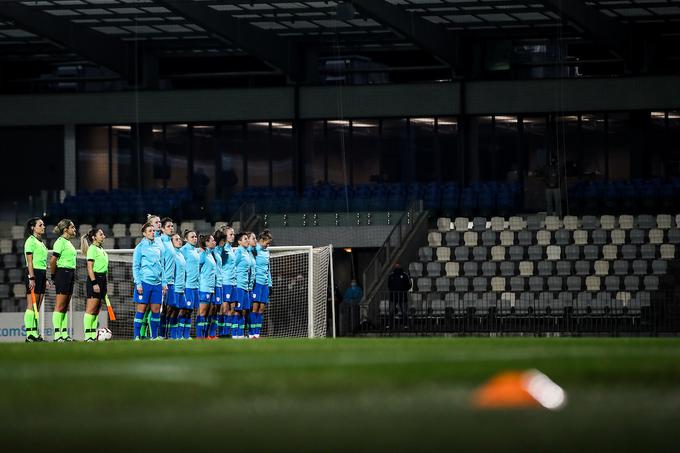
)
(206, 298)
(218, 296)
(228, 294)
(170, 295)
(179, 300)
(261, 293)
(243, 299)
(151, 294)
(190, 298)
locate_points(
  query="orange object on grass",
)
(507, 389)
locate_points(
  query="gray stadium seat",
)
(651, 282)
(584, 299)
(516, 223)
(536, 283)
(425, 254)
(535, 253)
(452, 269)
(574, 283)
(443, 224)
(582, 268)
(497, 224)
(461, 224)
(648, 252)
(552, 223)
(443, 254)
(610, 252)
(570, 222)
(572, 252)
(631, 283)
(479, 224)
(488, 269)
(526, 268)
(534, 223)
(545, 268)
(507, 269)
(543, 237)
(545, 300)
(555, 283)
(564, 268)
(618, 237)
(461, 253)
(434, 269)
(525, 302)
(525, 238)
(607, 222)
(640, 267)
(498, 253)
(480, 253)
(591, 252)
(10, 261)
(553, 252)
(592, 283)
(443, 284)
(598, 237)
(424, 285)
(415, 270)
(562, 237)
(659, 267)
(629, 252)
(637, 237)
(480, 284)
(507, 238)
(620, 267)
(470, 269)
(517, 284)
(516, 253)
(580, 237)
(452, 238)
(488, 238)
(646, 222)
(656, 236)
(498, 284)
(590, 222)
(612, 283)
(461, 284)
(565, 299)
(674, 236)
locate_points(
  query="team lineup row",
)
(173, 275)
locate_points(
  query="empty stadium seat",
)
(601, 268)
(452, 269)
(415, 270)
(543, 238)
(570, 223)
(461, 224)
(563, 268)
(462, 253)
(452, 238)
(498, 253)
(667, 251)
(434, 269)
(507, 269)
(488, 238)
(526, 268)
(470, 269)
(434, 239)
(626, 222)
(443, 224)
(664, 221)
(508, 238)
(470, 238)
(497, 224)
(488, 269)
(443, 254)
(425, 254)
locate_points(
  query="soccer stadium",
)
(361, 225)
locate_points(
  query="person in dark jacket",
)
(398, 283)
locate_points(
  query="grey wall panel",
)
(575, 95)
(380, 101)
(359, 236)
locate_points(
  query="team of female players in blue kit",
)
(224, 276)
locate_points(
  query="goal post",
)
(298, 306)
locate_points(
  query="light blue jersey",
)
(263, 274)
(219, 277)
(168, 258)
(180, 271)
(147, 264)
(244, 269)
(228, 265)
(191, 256)
(207, 272)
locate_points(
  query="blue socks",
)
(239, 325)
(220, 325)
(155, 322)
(163, 325)
(173, 327)
(200, 326)
(139, 320)
(186, 327)
(252, 328)
(212, 325)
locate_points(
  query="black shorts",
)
(63, 280)
(40, 281)
(101, 281)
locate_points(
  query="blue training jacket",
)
(219, 277)
(244, 268)
(180, 271)
(263, 275)
(228, 265)
(168, 258)
(206, 274)
(147, 264)
(191, 256)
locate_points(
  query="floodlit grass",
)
(325, 395)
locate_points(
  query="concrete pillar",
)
(70, 158)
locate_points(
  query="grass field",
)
(328, 395)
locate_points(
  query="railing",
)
(386, 255)
(247, 217)
(475, 314)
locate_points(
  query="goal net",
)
(298, 301)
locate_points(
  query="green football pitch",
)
(326, 395)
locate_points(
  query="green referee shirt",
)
(37, 248)
(100, 259)
(65, 252)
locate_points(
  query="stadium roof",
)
(276, 42)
